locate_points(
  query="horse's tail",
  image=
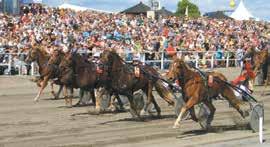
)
(164, 92)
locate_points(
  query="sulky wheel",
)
(257, 111)
(179, 105)
(204, 116)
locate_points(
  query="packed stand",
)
(133, 37)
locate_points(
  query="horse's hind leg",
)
(59, 91)
(212, 112)
(148, 91)
(230, 96)
(191, 102)
(156, 106)
(52, 90)
(132, 106)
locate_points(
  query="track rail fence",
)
(10, 62)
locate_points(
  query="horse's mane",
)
(183, 63)
(41, 50)
(116, 56)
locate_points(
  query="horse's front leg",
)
(70, 96)
(52, 90)
(65, 94)
(265, 86)
(191, 102)
(132, 107)
(59, 91)
(43, 85)
(92, 95)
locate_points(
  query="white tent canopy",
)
(241, 12)
(73, 7)
(79, 8)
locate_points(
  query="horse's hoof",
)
(112, 109)
(36, 100)
(176, 126)
(143, 112)
(77, 105)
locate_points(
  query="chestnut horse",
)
(42, 58)
(53, 71)
(195, 89)
(123, 80)
(261, 62)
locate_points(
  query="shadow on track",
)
(214, 129)
(143, 119)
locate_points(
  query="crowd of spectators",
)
(131, 36)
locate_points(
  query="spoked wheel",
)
(179, 105)
(204, 116)
(257, 111)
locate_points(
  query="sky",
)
(258, 8)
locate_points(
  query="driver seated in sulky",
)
(246, 77)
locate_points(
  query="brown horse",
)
(261, 62)
(42, 58)
(123, 80)
(77, 73)
(195, 89)
(53, 71)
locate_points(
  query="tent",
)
(79, 8)
(73, 7)
(241, 12)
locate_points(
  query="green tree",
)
(193, 10)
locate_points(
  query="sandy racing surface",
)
(24, 123)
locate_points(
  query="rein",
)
(228, 84)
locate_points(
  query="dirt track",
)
(24, 123)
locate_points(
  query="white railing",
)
(162, 61)
(19, 66)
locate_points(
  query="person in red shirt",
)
(171, 51)
(246, 74)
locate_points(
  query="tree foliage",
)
(193, 10)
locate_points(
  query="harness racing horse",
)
(41, 57)
(123, 80)
(195, 89)
(261, 60)
(261, 63)
(80, 73)
(54, 72)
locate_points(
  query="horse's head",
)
(259, 59)
(176, 69)
(56, 58)
(66, 62)
(32, 56)
(106, 56)
(109, 57)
